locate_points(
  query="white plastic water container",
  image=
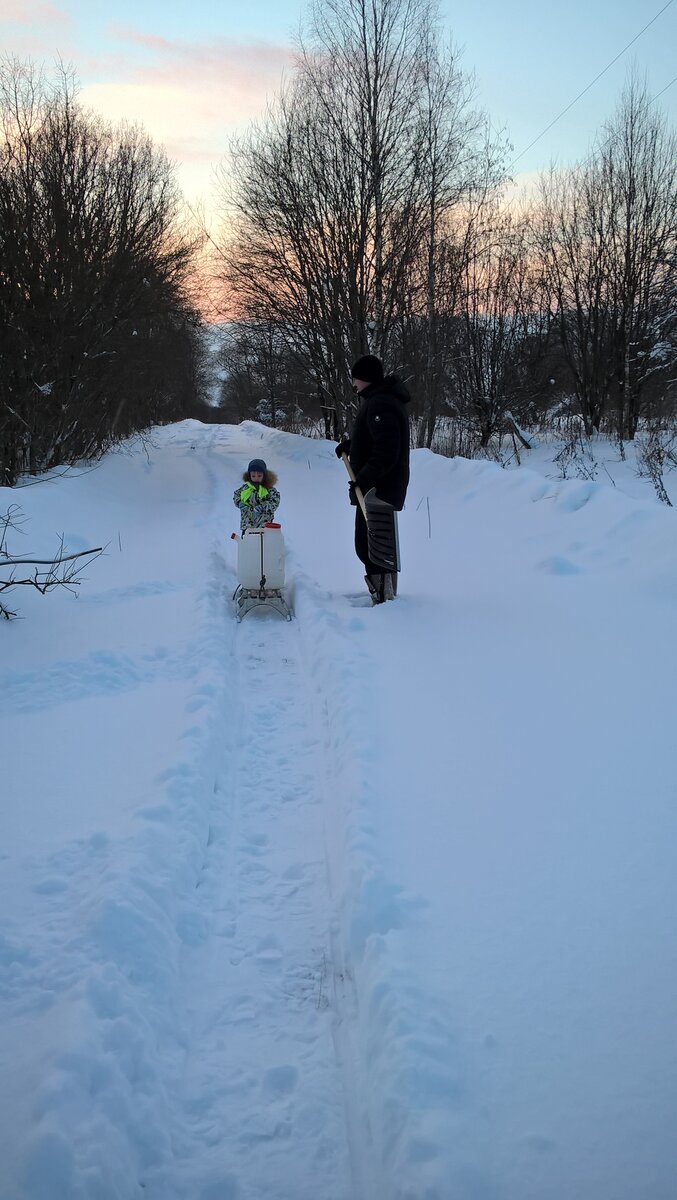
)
(260, 553)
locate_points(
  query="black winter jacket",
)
(379, 443)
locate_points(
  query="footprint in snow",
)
(224, 1188)
(279, 1082)
(575, 495)
(297, 871)
(558, 565)
(51, 886)
(269, 952)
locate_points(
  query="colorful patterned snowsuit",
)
(257, 504)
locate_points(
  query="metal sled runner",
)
(260, 572)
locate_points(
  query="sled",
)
(381, 518)
(260, 571)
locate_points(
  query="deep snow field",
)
(378, 904)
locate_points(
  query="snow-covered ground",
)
(598, 459)
(379, 904)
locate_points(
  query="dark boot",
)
(375, 583)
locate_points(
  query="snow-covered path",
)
(375, 905)
(178, 913)
(262, 1091)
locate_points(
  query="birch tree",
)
(335, 200)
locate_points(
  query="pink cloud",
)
(251, 67)
(126, 33)
(24, 12)
(190, 96)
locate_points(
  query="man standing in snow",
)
(378, 449)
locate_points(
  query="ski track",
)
(262, 1088)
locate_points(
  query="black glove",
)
(342, 448)
(351, 492)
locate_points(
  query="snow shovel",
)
(381, 518)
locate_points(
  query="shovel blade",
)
(382, 538)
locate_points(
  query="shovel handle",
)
(358, 493)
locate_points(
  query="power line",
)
(668, 85)
(613, 136)
(592, 83)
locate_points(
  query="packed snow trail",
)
(198, 988)
(377, 905)
(263, 1098)
(260, 1067)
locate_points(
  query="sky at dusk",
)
(195, 72)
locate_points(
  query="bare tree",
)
(573, 240)
(61, 570)
(336, 199)
(283, 257)
(608, 239)
(100, 335)
(501, 316)
(262, 378)
(639, 161)
(375, 52)
(460, 159)
(654, 453)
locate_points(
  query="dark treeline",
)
(98, 336)
(366, 212)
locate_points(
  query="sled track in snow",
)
(271, 1100)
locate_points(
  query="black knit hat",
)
(257, 464)
(369, 369)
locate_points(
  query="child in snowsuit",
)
(258, 498)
